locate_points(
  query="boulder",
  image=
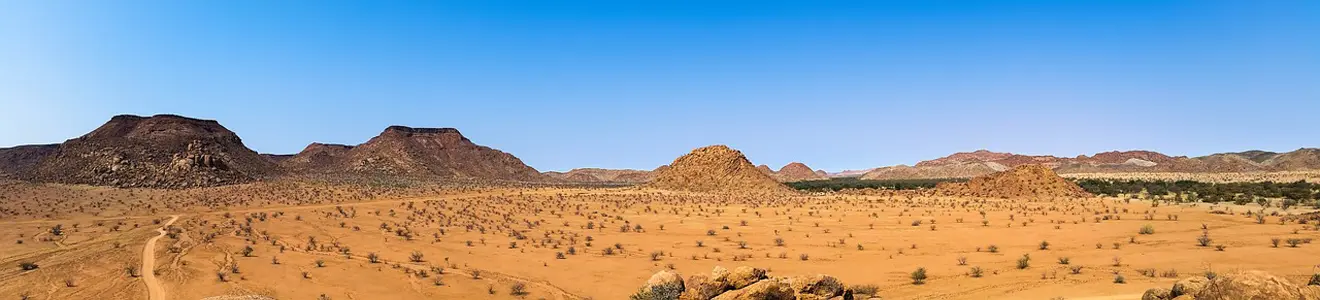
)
(744, 276)
(701, 287)
(761, 290)
(666, 278)
(1157, 294)
(1189, 286)
(816, 287)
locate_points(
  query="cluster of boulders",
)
(1235, 285)
(742, 283)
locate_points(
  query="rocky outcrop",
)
(717, 169)
(742, 283)
(1234, 285)
(162, 151)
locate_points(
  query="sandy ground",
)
(479, 244)
(155, 291)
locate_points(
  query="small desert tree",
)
(919, 276)
(658, 292)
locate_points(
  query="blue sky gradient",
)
(633, 84)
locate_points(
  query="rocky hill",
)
(19, 159)
(1021, 181)
(797, 171)
(416, 152)
(950, 170)
(162, 151)
(317, 156)
(591, 175)
(715, 169)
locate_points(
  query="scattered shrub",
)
(919, 276)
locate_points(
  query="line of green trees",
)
(841, 183)
(1292, 193)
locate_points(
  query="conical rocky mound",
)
(162, 151)
(1022, 181)
(421, 152)
(797, 171)
(715, 169)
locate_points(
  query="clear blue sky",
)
(617, 84)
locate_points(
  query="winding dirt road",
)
(154, 290)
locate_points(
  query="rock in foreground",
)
(743, 283)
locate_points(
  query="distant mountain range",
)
(982, 162)
(169, 151)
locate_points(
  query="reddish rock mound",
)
(797, 171)
(715, 169)
(416, 152)
(162, 151)
(1022, 181)
(317, 156)
(1235, 285)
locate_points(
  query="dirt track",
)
(154, 290)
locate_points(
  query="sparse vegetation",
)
(918, 276)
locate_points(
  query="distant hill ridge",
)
(982, 162)
(172, 152)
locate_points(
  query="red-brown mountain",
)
(416, 152)
(162, 151)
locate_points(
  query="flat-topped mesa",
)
(399, 129)
(161, 151)
(430, 152)
(323, 147)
